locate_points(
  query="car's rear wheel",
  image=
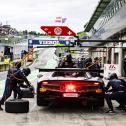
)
(101, 102)
(42, 102)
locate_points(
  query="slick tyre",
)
(27, 93)
(101, 102)
(17, 106)
(42, 102)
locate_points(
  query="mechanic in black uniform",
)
(20, 83)
(13, 77)
(95, 66)
(67, 62)
(118, 92)
(88, 62)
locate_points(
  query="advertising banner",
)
(109, 69)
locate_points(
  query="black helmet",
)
(88, 60)
(113, 76)
(69, 57)
(96, 58)
(26, 71)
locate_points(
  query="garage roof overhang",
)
(97, 13)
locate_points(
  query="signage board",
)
(111, 68)
(58, 31)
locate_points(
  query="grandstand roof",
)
(97, 13)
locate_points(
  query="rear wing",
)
(69, 70)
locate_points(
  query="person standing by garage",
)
(1, 56)
(11, 82)
(95, 66)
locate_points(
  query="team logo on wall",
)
(112, 67)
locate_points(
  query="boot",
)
(1, 108)
(110, 111)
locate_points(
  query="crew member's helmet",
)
(87, 60)
(96, 58)
(69, 58)
(113, 76)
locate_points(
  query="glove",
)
(31, 88)
(29, 85)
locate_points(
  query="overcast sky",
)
(31, 14)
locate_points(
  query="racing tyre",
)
(101, 102)
(42, 102)
(28, 93)
(17, 106)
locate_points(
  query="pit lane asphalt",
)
(64, 115)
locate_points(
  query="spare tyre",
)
(17, 106)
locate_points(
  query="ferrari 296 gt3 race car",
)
(69, 85)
